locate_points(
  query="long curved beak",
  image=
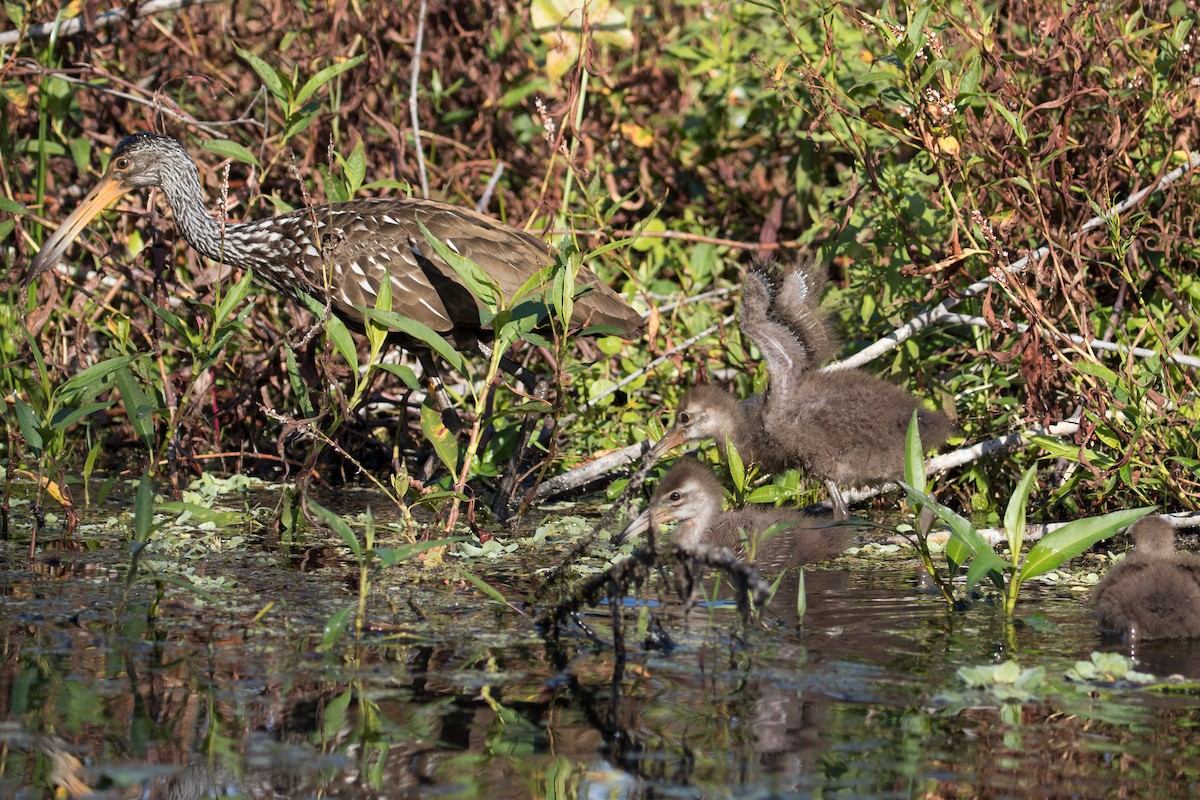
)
(98, 199)
(642, 523)
(671, 439)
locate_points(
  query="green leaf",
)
(444, 442)
(91, 378)
(233, 298)
(28, 423)
(1016, 125)
(68, 417)
(390, 556)
(1100, 371)
(230, 149)
(299, 121)
(335, 628)
(137, 406)
(914, 455)
(419, 331)
(333, 719)
(403, 372)
(270, 78)
(12, 206)
(483, 586)
(1073, 538)
(737, 469)
(1014, 515)
(356, 167)
(477, 281)
(340, 527)
(965, 545)
(325, 76)
(342, 341)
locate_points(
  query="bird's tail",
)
(795, 306)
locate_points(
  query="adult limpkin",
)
(341, 253)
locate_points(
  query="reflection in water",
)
(176, 696)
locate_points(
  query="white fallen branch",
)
(1181, 359)
(70, 27)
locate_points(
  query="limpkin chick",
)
(798, 343)
(844, 427)
(1154, 592)
(690, 495)
(341, 253)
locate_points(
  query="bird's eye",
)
(122, 163)
(675, 497)
(684, 418)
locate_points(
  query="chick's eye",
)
(684, 418)
(675, 496)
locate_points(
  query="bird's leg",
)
(437, 390)
(840, 510)
(539, 388)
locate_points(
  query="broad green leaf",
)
(266, 73)
(340, 527)
(335, 628)
(12, 206)
(92, 377)
(68, 417)
(737, 469)
(137, 406)
(342, 341)
(299, 121)
(325, 76)
(478, 282)
(230, 149)
(419, 331)
(333, 716)
(1017, 126)
(1014, 515)
(444, 442)
(234, 297)
(1100, 371)
(403, 372)
(390, 556)
(356, 167)
(172, 320)
(483, 586)
(914, 455)
(1073, 538)
(28, 423)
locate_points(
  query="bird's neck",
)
(694, 530)
(224, 243)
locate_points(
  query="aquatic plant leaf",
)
(1014, 515)
(965, 545)
(340, 527)
(1073, 538)
(419, 331)
(914, 456)
(483, 586)
(444, 442)
(390, 556)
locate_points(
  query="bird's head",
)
(705, 412)
(690, 495)
(141, 160)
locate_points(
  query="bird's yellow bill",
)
(671, 439)
(642, 523)
(98, 199)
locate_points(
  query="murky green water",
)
(159, 691)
